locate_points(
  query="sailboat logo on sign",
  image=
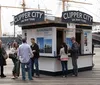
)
(77, 17)
(28, 17)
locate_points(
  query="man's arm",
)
(73, 49)
(60, 52)
(18, 53)
(37, 48)
(30, 50)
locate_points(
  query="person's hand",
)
(32, 55)
(69, 48)
(34, 51)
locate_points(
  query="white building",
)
(96, 27)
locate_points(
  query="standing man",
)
(25, 54)
(74, 55)
(34, 60)
(2, 60)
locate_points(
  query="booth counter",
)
(49, 36)
(52, 66)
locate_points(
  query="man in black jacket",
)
(74, 55)
(35, 50)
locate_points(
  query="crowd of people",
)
(27, 57)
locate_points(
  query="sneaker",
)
(64, 76)
(74, 75)
(23, 79)
(30, 79)
(13, 78)
(16, 77)
(37, 76)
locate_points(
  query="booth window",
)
(59, 39)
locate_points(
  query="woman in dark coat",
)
(2, 60)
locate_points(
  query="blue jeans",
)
(28, 65)
(64, 67)
(35, 62)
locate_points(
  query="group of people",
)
(25, 55)
(28, 56)
(74, 50)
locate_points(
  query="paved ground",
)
(84, 78)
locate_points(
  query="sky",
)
(54, 5)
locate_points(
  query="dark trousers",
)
(75, 67)
(14, 68)
(2, 70)
(64, 67)
(35, 62)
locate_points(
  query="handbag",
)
(4, 53)
(11, 56)
(5, 56)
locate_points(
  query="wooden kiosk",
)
(50, 34)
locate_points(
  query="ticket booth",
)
(49, 36)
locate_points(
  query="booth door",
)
(78, 39)
(60, 39)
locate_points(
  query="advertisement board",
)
(87, 41)
(44, 40)
(70, 32)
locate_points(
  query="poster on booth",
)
(70, 32)
(87, 41)
(44, 40)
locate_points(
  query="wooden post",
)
(23, 5)
(63, 5)
(14, 26)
